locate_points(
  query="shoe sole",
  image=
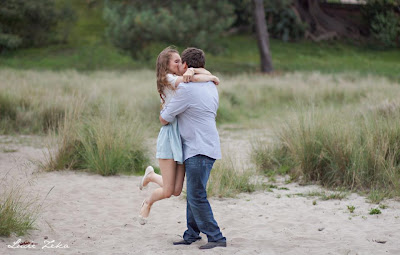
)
(205, 247)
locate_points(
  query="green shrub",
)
(383, 22)
(385, 28)
(133, 26)
(29, 23)
(283, 23)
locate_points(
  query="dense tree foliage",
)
(135, 24)
(383, 21)
(29, 23)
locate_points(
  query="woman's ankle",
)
(145, 210)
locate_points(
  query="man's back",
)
(196, 105)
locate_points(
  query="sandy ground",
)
(92, 214)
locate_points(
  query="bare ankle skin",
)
(145, 210)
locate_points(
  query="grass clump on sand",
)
(18, 212)
(356, 149)
(374, 211)
(106, 144)
(351, 208)
(228, 181)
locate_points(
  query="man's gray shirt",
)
(195, 105)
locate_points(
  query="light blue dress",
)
(169, 143)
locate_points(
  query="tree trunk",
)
(262, 36)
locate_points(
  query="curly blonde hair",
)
(162, 71)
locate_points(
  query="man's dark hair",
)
(194, 57)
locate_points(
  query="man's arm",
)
(178, 104)
(201, 71)
(162, 121)
(190, 72)
(188, 76)
(205, 78)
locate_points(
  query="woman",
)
(169, 146)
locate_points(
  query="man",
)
(195, 106)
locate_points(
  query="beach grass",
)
(106, 144)
(21, 115)
(339, 130)
(226, 180)
(356, 148)
(18, 210)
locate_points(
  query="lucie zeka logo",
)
(47, 244)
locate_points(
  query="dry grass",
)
(18, 209)
(226, 180)
(357, 148)
(40, 98)
(343, 106)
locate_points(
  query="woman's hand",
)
(215, 80)
(188, 75)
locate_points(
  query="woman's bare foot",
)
(146, 177)
(144, 212)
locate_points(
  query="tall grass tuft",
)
(228, 181)
(109, 146)
(105, 144)
(18, 212)
(359, 150)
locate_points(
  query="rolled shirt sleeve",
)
(178, 104)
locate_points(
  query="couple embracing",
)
(188, 142)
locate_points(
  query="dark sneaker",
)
(182, 242)
(211, 245)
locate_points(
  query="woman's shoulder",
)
(171, 78)
(171, 75)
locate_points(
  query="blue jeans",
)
(199, 215)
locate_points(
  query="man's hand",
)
(163, 122)
(188, 75)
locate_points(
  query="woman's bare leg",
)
(168, 172)
(180, 176)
